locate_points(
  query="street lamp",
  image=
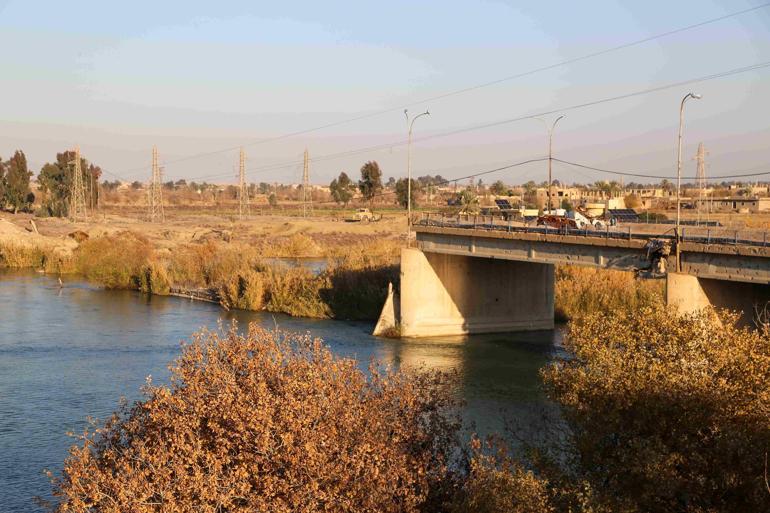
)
(550, 159)
(679, 157)
(410, 124)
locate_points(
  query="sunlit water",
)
(72, 353)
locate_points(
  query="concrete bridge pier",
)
(690, 293)
(444, 294)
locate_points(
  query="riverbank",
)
(249, 273)
(215, 265)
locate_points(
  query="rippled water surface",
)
(67, 354)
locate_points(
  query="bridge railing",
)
(626, 231)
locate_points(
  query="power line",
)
(459, 178)
(367, 149)
(659, 177)
(471, 88)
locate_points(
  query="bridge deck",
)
(722, 258)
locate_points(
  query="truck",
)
(363, 215)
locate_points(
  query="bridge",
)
(486, 274)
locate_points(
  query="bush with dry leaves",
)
(668, 412)
(270, 422)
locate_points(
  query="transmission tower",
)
(307, 194)
(77, 190)
(700, 159)
(243, 188)
(155, 191)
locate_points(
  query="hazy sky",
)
(197, 77)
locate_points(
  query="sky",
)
(199, 79)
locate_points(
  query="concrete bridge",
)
(494, 276)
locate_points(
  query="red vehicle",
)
(559, 222)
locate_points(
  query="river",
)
(71, 353)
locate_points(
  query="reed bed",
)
(582, 290)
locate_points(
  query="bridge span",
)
(492, 276)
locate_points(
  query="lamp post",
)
(410, 124)
(550, 157)
(679, 158)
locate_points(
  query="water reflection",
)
(69, 353)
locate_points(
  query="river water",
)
(71, 353)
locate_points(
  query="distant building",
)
(734, 204)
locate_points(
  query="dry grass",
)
(352, 287)
(26, 256)
(581, 290)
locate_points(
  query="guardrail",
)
(625, 232)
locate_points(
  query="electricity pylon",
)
(243, 188)
(700, 158)
(155, 191)
(77, 191)
(307, 194)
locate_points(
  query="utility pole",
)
(410, 126)
(700, 158)
(679, 160)
(243, 189)
(307, 194)
(77, 190)
(550, 157)
(155, 191)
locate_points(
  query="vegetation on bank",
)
(662, 413)
(582, 290)
(271, 422)
(352, 286)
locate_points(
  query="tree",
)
(371, 180)
(55, 179)
(498, 188)
(92, 188)
(469, 202)
(136, 185)
(530, 188)
(17, 193)
(272, 200)
(271, 422)
(632, 201)
(402, 191)
(668, 412)
(342, 189)
(2, 182)
(264, 188)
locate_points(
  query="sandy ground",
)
(187, 226)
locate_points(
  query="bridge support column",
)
(689, 293)
(454, 295)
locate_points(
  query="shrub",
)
(295, 291)
(668, 413)
(244, 291)
(270, 422)
(115, 261)
(581, 290)
(496, 483)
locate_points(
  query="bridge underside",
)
(445, 294)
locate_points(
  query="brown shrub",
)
(269, 422)
(668, 413)
(581, 290)
(496, 483)
(115, 261)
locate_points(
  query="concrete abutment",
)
(455, 295)
(690, 293)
